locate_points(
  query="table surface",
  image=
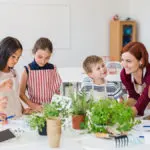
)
(70, 140)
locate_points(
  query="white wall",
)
(140, 10)
(89, 29)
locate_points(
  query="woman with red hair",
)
(135, 76)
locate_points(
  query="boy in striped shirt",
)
(95, 84)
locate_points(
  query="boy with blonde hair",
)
(95, 82)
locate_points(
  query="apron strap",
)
(27, 68)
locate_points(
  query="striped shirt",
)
(42, 83)
(109, 89)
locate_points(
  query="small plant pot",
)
(54, 131)
(43, 132)
(77, 120)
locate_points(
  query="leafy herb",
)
(51, 110)
(80, 103)
(36, 121)
(109, 113)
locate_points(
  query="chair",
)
(114, 67)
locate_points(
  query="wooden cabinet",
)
(121, 33)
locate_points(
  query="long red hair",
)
(138, 50)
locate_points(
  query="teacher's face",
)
(129, 63)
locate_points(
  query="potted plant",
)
(79, 107)
(54, 113)
(110, 116)
(38, 121)
(57, 108)
(60, 107)
(51, 113)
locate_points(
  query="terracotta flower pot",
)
(54, 132)
(77, 120)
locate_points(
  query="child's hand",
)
(3, 116)
(28, 111)
(36, 107)
(6, 85)
(121, 100)
(3, 119)
(3, 103)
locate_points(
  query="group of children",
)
(40, 78)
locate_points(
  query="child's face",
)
(13, 59)
(42, 57)
(99, 71)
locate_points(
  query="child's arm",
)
(6, 85)
(58, 81)
(3, 105)
(23, 96)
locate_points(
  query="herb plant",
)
(51, 110)
(36, 121)
(109, 113)
(80, 104)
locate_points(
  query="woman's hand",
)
(131, 102)
(148, 106)
(6, 85)
(135, 112)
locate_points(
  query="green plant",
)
(36, 121)
(109, 114)
(63, 104)
(80, 104)
(51, 110)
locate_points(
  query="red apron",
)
(42, 85)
